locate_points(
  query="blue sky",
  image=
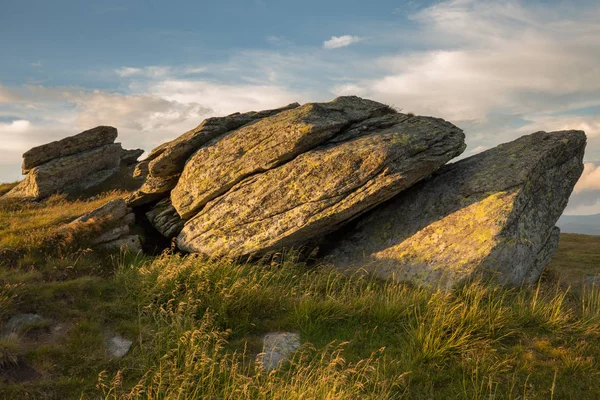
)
(154, 69)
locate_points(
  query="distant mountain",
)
(585, 224)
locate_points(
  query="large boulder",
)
(317, 191)
(70, 174)
(491, 213)
(86, 140)
(164, 164)
(216, 168)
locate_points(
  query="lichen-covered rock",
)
(106, 228)
(258, 147)
(321, 189)
(277, 348)
(70, 173)
(490, 213)
(165, 219)
(164, 164)
(87, 140)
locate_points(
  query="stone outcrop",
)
(164, 164)
(73, 164)
(493, 213)
(283, 206)
(86, 140)
(216, 168)
(107, 227)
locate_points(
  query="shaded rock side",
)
(490, 213)
(320, 190)
(71, 173)
(87, 140)
(106, 228)
(165, 219)
(164, 164)
(130, 157)
(263, 145)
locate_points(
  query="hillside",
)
(583, 224)
(196, 325)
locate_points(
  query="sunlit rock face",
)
(305, 175)
(73, 164)
(493, 213)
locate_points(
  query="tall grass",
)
(362, 337)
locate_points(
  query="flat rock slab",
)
(277, 348)
(69, 171)
(492, 213)
(84, 141)
(258, 147)
(322, 189)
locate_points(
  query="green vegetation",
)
(197, 323)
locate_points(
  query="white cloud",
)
(479, 149)
(590, 178)
(128, 71)
(340, 41)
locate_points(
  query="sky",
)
(155, 69)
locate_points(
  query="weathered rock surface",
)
(165, 219)
(73, 164)
(277, 348)
(107, 227)
(71, 173)
(87, 140)
(317, 191)
(165, 163)
(117, 346)
(491, 213)
(258, 147)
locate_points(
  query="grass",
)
(578, 257)
(6, 187)
(197, 326)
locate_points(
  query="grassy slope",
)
(197, 327)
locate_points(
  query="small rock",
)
(118, 346)
(20, 322)
(277, 348)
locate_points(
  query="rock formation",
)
(321, 189)
(107, 227)
(164, 164)
(73, 164)
(490, 213)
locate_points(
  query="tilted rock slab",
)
(216, 168)
(87, 140)
(490, 213)
(319, 190)
(165, 163)
(70, 173)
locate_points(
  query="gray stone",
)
(277, 348)
(118, 347)
(20, 322)
(130, 243)
(322, 189)
(165, 219)
(493, 213)
(84, 141)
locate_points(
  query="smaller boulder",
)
(277, 348)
